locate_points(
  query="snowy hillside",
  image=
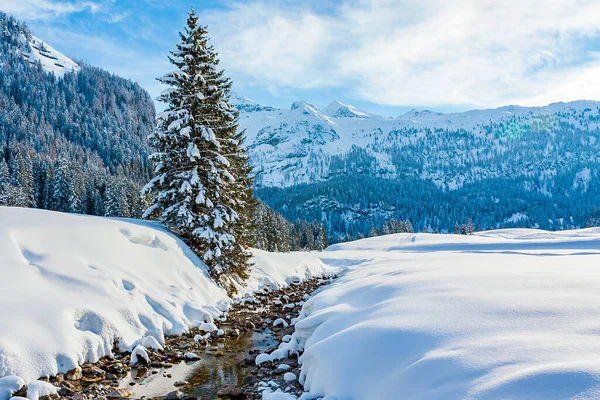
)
(353, 170)
(307, 145)
(17, 39)
(71, 285)
(510, 314)
(51, 59)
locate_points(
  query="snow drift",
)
(505, 314)
(72, 285)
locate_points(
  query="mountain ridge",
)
(307, 161)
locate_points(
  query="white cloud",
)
(417, 52)
(44, 9)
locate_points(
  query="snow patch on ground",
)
(504, 314)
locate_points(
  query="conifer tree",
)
(202, 189)
(4, 182)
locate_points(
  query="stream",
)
(206, 376)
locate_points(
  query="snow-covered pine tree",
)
(202, 189)
(4, 183)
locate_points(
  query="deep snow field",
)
(508, 314)
(72, 284)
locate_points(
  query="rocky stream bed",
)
(209, 362)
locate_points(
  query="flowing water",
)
(205, 376)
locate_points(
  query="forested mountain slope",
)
(72, 137)
(511, 166)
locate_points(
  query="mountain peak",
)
(337, 109)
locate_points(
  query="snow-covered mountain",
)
(51, 59)
(304, 143)
(550, 152)
(16, 40)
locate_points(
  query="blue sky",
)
(384, 56)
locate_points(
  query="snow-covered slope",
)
(51, 59)
(307, 145)
(70, 285)
(351, 170)
(508, 314)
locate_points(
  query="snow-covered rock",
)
(191, 356)
(280, 322)
(9, 385)
(263, 358)
(139, 355)
(37, 389)
(289, 377)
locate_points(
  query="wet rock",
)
(21, 392)
(74, 375)
(119, 394)
(50, 397)
(69, 386)
(58, 379)
(174, 395)
(232, 392)
(181, 383)
(250, 380)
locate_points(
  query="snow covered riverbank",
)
(70, 285)
(505, 314)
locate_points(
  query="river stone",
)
(74, 374)
(50, 397)
(232, 392)
(174, 395)
(119, 394)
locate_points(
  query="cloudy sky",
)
(384, 56)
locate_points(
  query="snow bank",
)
(71, 285)
(276, 270)
(505, 314)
